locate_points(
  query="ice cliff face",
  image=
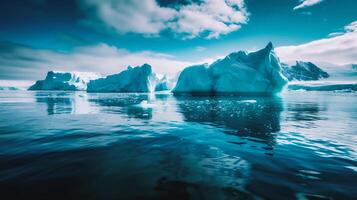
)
(303, 71)
(70, 81)
(137, 79)
(239, 72)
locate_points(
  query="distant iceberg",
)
(163, 83)
(239, 72)
(9, 88)
(303, 71)
(133, 79)
(323, 86)
(69, 81)
(346, 72)
(339, 78)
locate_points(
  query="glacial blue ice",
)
(239, 72)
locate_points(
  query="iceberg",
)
(69, 81)
(163, 83)
(324, 86)
(9, 88)
(239, 72)
(197, 78)
(303, 71)
(133, 79)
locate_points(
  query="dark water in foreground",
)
(63, 145)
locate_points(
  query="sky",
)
(106, 36)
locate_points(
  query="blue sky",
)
(106, 36)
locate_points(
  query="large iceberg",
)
(134, 79)
(239, 72)
(303, 71)
(70, 81)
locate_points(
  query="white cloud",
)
(138, 16)
(26, 63)
(334, 34)
(339, 49)
(307, 3)
(208, 18)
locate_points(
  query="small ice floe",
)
(249, 101)
(146, 104)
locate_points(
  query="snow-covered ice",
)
(303, 71)
(239, 72)
(340, 78)
(71, 81)
(346, 72)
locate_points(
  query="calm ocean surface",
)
(74, 145)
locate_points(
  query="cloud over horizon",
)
(340, 48)
(19, 62)
(206, 18)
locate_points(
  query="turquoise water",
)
(74, 145)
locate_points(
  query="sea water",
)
(77, 145)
